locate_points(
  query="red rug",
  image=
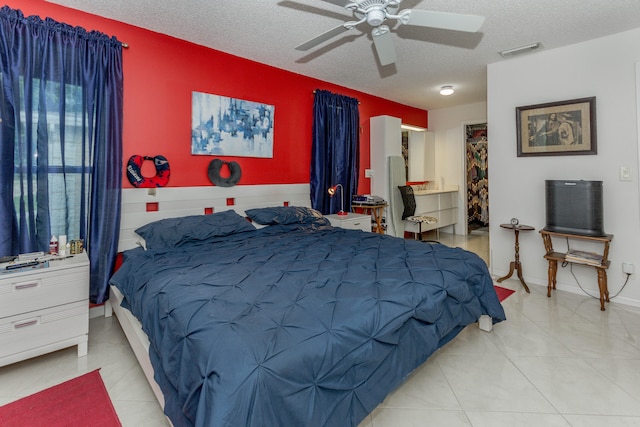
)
(82, 401)
(502, 293)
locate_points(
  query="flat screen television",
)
(574, 207)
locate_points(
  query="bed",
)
(287, 320)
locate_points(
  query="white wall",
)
(448, 127)
(604, 68)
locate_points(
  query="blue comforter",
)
(297, 325)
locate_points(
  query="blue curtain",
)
(60, 139)
(335, 148)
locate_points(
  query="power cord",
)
(593, 296)
(564, 264)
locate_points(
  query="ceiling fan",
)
(376, 12)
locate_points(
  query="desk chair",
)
(409, 213)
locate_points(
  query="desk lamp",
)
(332, 191)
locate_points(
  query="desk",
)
(515, 265)
(376, 211)
(601, 263)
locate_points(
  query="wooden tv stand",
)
(600, 263)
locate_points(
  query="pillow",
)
(285, 215)
(174, 232)
(408, 200)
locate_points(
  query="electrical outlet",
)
(625, 173)
(627, 267)
(368, 173)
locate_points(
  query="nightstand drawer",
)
(352, 221)
(28, 331)
(27, 293)
(359, 224)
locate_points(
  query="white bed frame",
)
(142, 206)
(139, 208)
(173, 202)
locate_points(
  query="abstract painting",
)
(222, 126)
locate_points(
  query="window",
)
(60, 139)
(66, 166)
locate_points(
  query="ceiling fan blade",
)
(342, 3)
(322, 37)
(383, 41)
(443, 20)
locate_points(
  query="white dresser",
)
(44, 310)
(352, 221)
(439, 204)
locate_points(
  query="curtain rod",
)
(124, 45)
(345, 95)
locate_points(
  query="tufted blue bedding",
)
(297, 324)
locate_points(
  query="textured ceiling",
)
(268, 31)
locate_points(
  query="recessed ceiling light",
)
(446, 90)
(522, 49)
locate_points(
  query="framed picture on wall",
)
(225, 126)
(557, 128)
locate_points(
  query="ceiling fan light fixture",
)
(521, 49)
(446, 90)
(376, 17)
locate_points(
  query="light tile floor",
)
(110, 352)
(556, 361)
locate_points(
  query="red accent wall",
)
(160, 72)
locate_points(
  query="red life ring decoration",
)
(161, 178)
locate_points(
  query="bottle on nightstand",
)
(53, 245)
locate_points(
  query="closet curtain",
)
(335, 148)
(60, 139)
(477, 182)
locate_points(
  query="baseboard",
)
(574, 290)
(96, 311)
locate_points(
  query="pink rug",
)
(502, 293)
(82, 401)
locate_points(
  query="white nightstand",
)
(352, 221)
(44, 310)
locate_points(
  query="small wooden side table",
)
(376, 211)
(600, 262)
(515, 265)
